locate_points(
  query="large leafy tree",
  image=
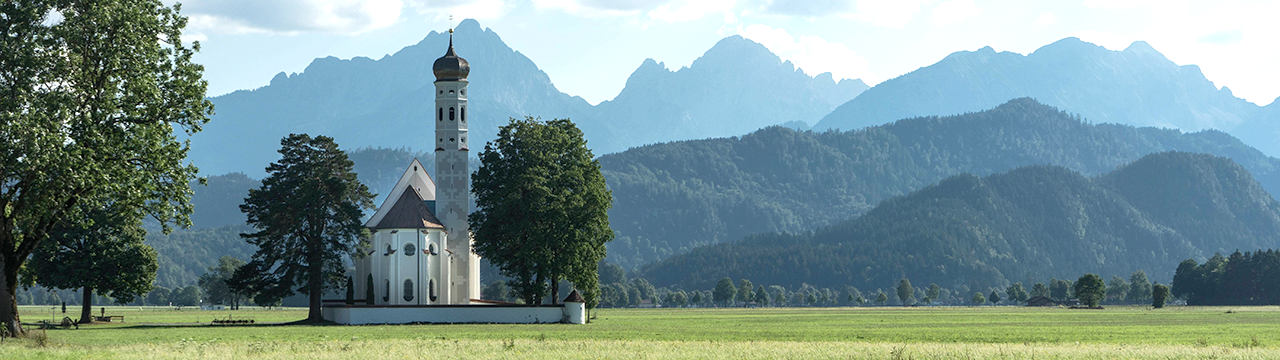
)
(214, 282)
(88, 108)
(103, 253)
(307, 213)
(1090, 289)
(906, 294)
(542, 208)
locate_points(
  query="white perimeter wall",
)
(358, 315)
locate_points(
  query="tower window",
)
(450, 114)
(431, 289)
(408, 290)
(386, 291)
(450, 92)
(450, 139)
(464, 113)
(409, 249)
(440, 114)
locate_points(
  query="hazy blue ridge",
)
(673, 197)
(1137, 86)
(1026, 225)
(738, 86)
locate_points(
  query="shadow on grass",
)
(208, 325)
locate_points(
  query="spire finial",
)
(450, 26)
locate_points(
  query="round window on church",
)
(431, 249)
(408, 290)
(409, 249)
(389, 250)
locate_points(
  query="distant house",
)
(1041, 301)
(1045, 301)
(647, 304)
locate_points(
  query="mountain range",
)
(673, 197)
(1027, 225)
(736, 87)
(1137, 86)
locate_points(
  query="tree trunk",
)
(555, 290)
(315, 287)
(86, 307)
(8, 299)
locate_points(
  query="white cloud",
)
(1046, 19)
(660, 10)
(888, 13)
(461, 9)
(808, 8)
(681, 11)
(291, 16)
(811, 53)
(953, 12)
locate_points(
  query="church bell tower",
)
(453, 177)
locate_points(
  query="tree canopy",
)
(89, 103)
(541, 208)
(308, 216)
(102, 253)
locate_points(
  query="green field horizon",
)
(1243, 332)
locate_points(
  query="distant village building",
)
(421, 268)
(1041, 301)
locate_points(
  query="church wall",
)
(487, 314)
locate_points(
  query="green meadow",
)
(880, 332)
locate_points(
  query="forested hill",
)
(672, 197)
(1138, 86)
(1027, 225)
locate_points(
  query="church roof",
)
(574, 296)
(450, 67)
(409, 212)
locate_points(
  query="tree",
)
(695, 298)
(1090, 289)
(933, 292)
(679, 298)
(745, 293)
(725, 291)
(1039, 290)
(1117, 289)
(214, 282)
(186, 296)
(810, 299)
(88, 109)
(881, 298)
(1140, 289)
(762, 297)
(1060, 289)
(1017, 293)
(905, 293)
(994, 298)
(308, 215)
(103, 253)
(159, 296)
(611, 273)
(978, 299)
(542, 207)
(1159, 293)
(498, 290)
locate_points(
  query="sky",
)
(590, 47)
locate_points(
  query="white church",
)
(421, 267)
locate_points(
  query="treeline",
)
(159, 296)
(988, 232)
(1249, 278)
(672, 197)
(620, 291)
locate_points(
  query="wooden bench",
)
(109, 318)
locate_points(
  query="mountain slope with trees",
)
(672, 197)
(1027, 225)
(1137, 86)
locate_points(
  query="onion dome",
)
(450, 67)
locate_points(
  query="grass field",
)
(920, 333)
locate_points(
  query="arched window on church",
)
(440, 114)
(431, 289)
(408, 290)
(386, 291)
(450, 114)
(464, 114)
